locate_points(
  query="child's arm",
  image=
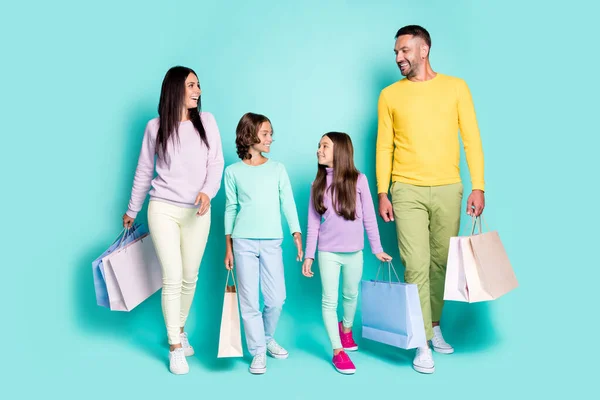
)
(286, 198)
(369, 218)
(231, 207)
(312, 230)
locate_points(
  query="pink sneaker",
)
(343, 364)
(348, 342)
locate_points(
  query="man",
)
(418, 149)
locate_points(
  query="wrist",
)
(382, 195)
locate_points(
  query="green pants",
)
(351, 266)
(426, 218)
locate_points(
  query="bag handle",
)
(478, 219)
(232, 288)
(390, 269)
(126, 232)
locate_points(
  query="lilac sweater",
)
(334, 233)
(190, 167)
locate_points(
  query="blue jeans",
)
(259, 262)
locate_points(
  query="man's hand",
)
(386, 211)
(476, 203)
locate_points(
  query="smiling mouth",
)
(403, 65)
(195, 98)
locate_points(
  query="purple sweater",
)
(334, 233)
(190, 167)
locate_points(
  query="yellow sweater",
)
(417, 137)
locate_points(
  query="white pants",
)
(179, 236)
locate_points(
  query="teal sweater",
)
(255, 197)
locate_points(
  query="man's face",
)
(409, 52)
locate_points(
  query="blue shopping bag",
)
(125, 237)
(391, 312)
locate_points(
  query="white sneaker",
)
(259, 364)
(177, 362)
(438, 342)
(423, 361)
(275, 350)
(185, 343)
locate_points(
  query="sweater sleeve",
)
(369, 217)
(144, 171)
(384, 154)
(312, 230)
(469, 132)
(286, 198)
(231, 201)
(215, 162)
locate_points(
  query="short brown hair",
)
(246, 133)
(415, 30)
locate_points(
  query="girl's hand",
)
(127, 221)
(306, 268)
(298, 243)
(204, 202)
(229, 260)
(383, 257)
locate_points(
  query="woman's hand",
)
(204, 202)
(127, 221)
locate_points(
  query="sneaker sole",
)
(188, 352)
(278, 356)
(345, 371)
(442, 350)
(351, 348)
(179, 372)
(258, 371)
(424, 370)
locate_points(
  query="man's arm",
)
(469, 131)
(384, 157)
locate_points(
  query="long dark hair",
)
(345, 176)
(170, 108)
(246, 133)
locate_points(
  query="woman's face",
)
(192, 91)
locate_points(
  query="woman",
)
(189, 168)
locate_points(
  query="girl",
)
(340, 209)
(189, 168)
(257, 189)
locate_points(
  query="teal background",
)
(80, 80)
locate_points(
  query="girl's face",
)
(265, 135)
(325, 152)
(192, 91)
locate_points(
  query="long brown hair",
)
(246, 133)
(343, 184)
(170, 109)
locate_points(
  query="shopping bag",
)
(125, 237)
(478, 267)
(391, 312)
(230, 337)
(132, 274)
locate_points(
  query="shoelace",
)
(275, 347)
(259, 359)
(179, 356)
